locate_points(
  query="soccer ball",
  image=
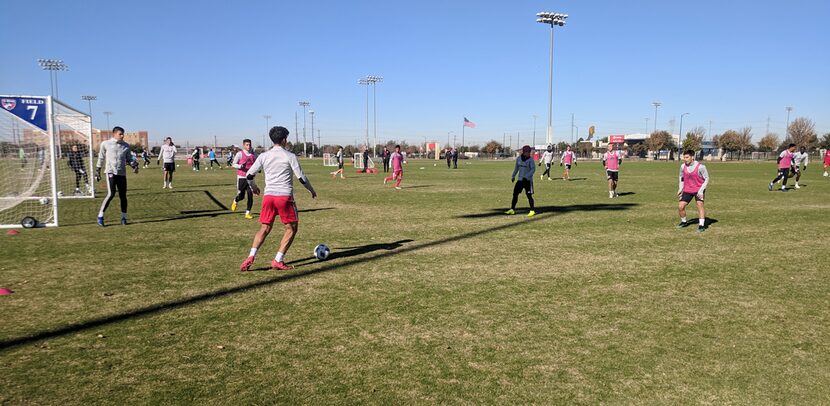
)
(322, 252)
(44, 200)
(60, 194)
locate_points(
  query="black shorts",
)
(785, 172)
(568, 166)
(612, 175)
(170, 166)
(340, 165)
(523, 184)
(687, 197)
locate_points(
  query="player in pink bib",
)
(693, 181)
(785, 163)
(611, 161)
(242, 161)
(398, 159)
(826, 161)
(568, 159)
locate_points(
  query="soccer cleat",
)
(248, 216)
(398, 187)
(770, 187)
(682, 224)
(510, 212)
(610, 195)
(826, 174)
(701, 229)
(280, 265)
(101, 221)
(797, 187)
(783, 189)
(531, 213)
(385, 180)
(246, 265)
(123, 222)
(541, 177)
(233, 206)
(550, 179)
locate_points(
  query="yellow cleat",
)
(531, 214)
(511, 211)
(248, 216)
(233, 206)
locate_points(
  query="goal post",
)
(28, 192)
(74, 151)
(358, 161)
(329, 159)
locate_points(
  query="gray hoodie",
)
(525, 169)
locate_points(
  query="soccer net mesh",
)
(329, 159)
(358, 161)
(73, 136)
(25, 173)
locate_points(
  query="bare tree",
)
(769, 143)
(694, 138)
(492, 147)
(802, 133)
(729, 141)
(744, 140)
(825, 141)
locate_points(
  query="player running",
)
(212, 157)
(339, 165)
(116, 152)
(800, 158)
(397, 158)
(76, 163)
(167, 155)
(525, 168)
(785, 163)
(546, 158)
(568, 158)
(278, 165)
(146, 157)
(196, 155)
(243, 161)
(693, 181)
(611, 161)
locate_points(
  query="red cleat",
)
(246, 265)
(280, 265)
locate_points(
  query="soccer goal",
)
(28, 193)
(74, 151)
(358, 161)
(329, 159)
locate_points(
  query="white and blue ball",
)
(322, 252)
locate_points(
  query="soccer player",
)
(800, 158)
(448, 156)
(76, 162)
(167, 155)
(611, 161)
(229, 157)
(195, 156)
(386, 158)
(454, 158)
(398, 159)
(525, 168)
(212, 157)
(116, 153)
(146, 156)
(826, 161)
(278, 165)
(693, 181)
(339, 165)
(785, 163)
(365, 159)
(547, 158)
(243, 161)
(568, 158)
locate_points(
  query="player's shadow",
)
(347, 252)
(555, 209)
(417, 186)
(575, 179)
(313, 210)
(706, 223)
(626, 193)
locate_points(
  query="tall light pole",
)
(374, 80)
(366, 83)
(267, 118)
(534, 131)
(787, 130)
(312, 129)
(89, 99)
(53, 66)
(108, 114)
(646, 126)
(448, 138)
(656, 105)
(552, 19)
(304, 104)
(680, 140)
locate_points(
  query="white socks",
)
(253, 252)
(683, 219)
(279, 257)
(702, 222)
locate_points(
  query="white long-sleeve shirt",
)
(278, 166)
(801, 158)
(116, 154)
(547, 157)
(167, 153)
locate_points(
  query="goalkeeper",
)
(115, 152)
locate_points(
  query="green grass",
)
(594, 300)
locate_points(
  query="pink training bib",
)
(786, 161)
(397, 162)
(569, 157)
(692, 181)
(245, 163)
(612, 161)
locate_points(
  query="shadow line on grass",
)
(499, 212)
(285, 277)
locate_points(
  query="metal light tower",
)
(108, 114)
(680, 144)
(304, 104)
(366, 82)
(53, 66)
(552, 19)
(656, 105)
(646, 133)
(267, 118)
(312, 128)
(534, 131)
(89, 99)
(787, 130)
(374, 80)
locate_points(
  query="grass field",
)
(432, 296)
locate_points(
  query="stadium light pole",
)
(374, 80)
(787, 130)
(646, 133)
(267, 118)
(534, 131)
(366, 83)
(304, 104)
(89, 99)
(551, 19)
(680, 139)
(312, 129)
(108, 114)
(53, 66)
(656, 105)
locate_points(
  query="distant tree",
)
(729, 141)
(584, 149)
(561, 146)
(825, 141)
(475, 148)
(802, 132)
(744, 140)
(769, 143)
(349, 150)
(694, 138)
(492, 147)
(659, 140)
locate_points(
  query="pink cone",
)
(13, 232)
(5, 291)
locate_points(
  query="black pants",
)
(386, 164)
(527, 186)
(196, 164)
(115, 183)
(547, 170)
(448, 163)
(80, 173)
(782, 174)
(242, 191)
(455, 163)
(217, 163)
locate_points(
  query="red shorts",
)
(282, 206)
(397, 174)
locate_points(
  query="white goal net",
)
(358, 161)
(329, 159)
(27, 162)
(74, 153)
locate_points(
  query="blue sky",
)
(195, 70)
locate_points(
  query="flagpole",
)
(463, 127)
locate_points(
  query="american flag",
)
(468, 123)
